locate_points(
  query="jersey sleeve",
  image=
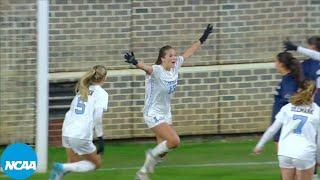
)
(308, 52)
(179, 62)
(281, 116)
(156, 70)
(273, 129)
(102, 100)
(98, 126)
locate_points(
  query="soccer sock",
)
(143, 169)
(145, 165)
(161, 148)
(80, 166)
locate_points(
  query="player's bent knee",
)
(174, 142)
(95, 159)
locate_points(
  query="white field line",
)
(199, 165)
(192, 165)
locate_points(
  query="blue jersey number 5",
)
(80, 107)
(303, 120)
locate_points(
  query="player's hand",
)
(129, 58)
(257, 151)
(206, 33)
(100, 148)
(289, 46)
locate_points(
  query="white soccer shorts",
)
(79, 146)
(290, 163)
(153, 121)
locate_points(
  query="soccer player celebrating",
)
(300, 122)
(289, 46)
(289, 68)
(161, 82)
(84, 117)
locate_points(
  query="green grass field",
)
(193, 160)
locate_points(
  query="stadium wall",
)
(226, 87)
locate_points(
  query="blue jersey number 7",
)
(303, 120)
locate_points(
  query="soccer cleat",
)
(142, 176)
(151, 161)
(57, 172)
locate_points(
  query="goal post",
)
(42, 85)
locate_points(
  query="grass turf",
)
(204, 160)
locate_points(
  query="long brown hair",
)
(304, 95)
(162, 53)
(96, 75)
(292, 64)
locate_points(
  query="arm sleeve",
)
(272, 130)
(101, 105)
(156, 70)
(98, 126)
(179, 62)
(102, 101)
(308, 52)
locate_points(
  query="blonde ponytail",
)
(305, 94)
(96, 75)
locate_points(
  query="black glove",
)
(206, 33)
(289, 46)
(130, 58)
(100, 148)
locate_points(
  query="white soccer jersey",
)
(79, 120)
(160, 86)
(300, 129)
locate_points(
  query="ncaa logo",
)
(19, 161)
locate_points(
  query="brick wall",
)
(233, 98)
(86, 32)
(17, 70)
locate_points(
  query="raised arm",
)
(190, 51)
(289, 46)
(308, 52)
(130, 58)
